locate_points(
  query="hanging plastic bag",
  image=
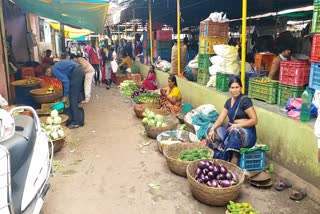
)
(114, 66)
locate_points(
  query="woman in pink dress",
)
(149, 83)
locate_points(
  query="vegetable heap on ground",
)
(127, 87)
(148, 97)
(153, 120)
(138, 92)
(53, 128)
(244, 208)
(195, 154)
(214, 175)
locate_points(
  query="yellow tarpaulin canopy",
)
(70, 32)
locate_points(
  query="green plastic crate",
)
(203, 78)
(316, 2)
(222, 81)
(203, 71)
(288, 91)
(262, 88)
(204, 61)
(316, 19)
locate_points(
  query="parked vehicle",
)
(25, 162)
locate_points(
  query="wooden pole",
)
(178, 35)
(150, 32)
(243, 44)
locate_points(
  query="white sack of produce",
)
(218, 17)
(193, 64)
(212, 81)
(163, 65)
(226, 51)
(217, 60)
(213, 69)
(231, 67)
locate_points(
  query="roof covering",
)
(192, 12)
(89, 14)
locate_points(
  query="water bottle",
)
(305, 108)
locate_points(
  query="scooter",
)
(25, 162)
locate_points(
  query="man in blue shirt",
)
(71, 75)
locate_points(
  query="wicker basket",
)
(41, 96)
(171, 152)
(26, 82)
(175, 136)
(190, 127)
(58, 144)
(172, 124)
(64, 119)
(210, 195)
(139, 109)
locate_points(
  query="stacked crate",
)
(162, 44)
(314, 80)
(294, 76)
(210, 33)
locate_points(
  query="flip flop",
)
(298, 196)
(282, 185)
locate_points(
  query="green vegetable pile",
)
(127, 87)
(148, 97)
(241, 208)
(153, 120)
(191, 155)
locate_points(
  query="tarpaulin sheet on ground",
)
(88, 14)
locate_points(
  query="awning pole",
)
(243, 44)
(150, 32)
(178, 37)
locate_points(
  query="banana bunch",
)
(241, 208)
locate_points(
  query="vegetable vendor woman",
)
(170, 98)
(240, 132)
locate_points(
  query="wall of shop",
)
(15, 24)
(34, 25)
(3, 78)
(292, 143)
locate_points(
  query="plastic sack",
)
(114, 66)
(193, 64)
(293, 107)
(217, 60)
(213, 69)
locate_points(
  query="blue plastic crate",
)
(314, 80)
(252, 161)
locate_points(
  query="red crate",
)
(27, 72)
(214, 29)
(315, 51)
(295, 73)
(164, 35)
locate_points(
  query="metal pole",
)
(150, 33)
(63, 39)
(178, 35)
(243, 44)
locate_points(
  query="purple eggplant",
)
(207, 164)
(210, 168)
(223, 170)
(216, 170)
(205, 171)
(209, 183)
(200, 180)
(228, 176)
(234, 177)
(221, 176)
(225, 183)
(202, 177)
(210, 163)
(198, 171)
(211, 175)
(206, 178)
(202, 164)
(214, 183)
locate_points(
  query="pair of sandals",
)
(296, 195)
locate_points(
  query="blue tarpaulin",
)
(89, 14)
